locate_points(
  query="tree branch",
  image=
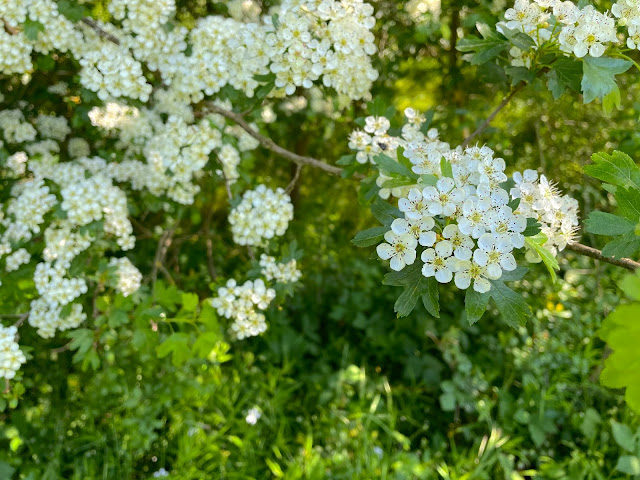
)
(94, 25)
(493, 114)
(272, 146)
(597, 254)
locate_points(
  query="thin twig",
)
(161, 252)
(493, 114)
(106, 35)
(271, 145)
(294, 180)
(63, 348)
(597, 254)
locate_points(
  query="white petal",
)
(445, 184)
(428, 270)
(462, 280)
(400, 226)
(481, 285)
(428, 255)
(508, 262)
(444, 248)
(444, 275)
(409, 257)
(480, 257)
(427, 239)
(397, 263)
(494, 272)
(385, 251)
(463, 253)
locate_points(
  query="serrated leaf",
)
(512, 306)
(431, 297)
(31, 29)
(446, 168)
(482, 49)
(598, 78)
(520, 74)
(514, 204)
(71, 10)
(346, 160)
(537, 242)
(628, 202)
(409, 274)
(602, 223)
(427, 180)
(475, 304)
(617, 169)
(532, 228)
(568, 72)
(371, 236)
(389, 165)
(624, 246)
(384, 212)
(407, 300)
(398, 182)
(176, 344)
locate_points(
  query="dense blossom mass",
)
(577, 31)
(152, 78)
(459, 219)
(11, 357)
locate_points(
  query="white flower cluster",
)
(261, 215)
(458, 214)
(628, 14)
(540, 199)
(14, 128)
(50, 126)
(578, 31)
(239, 303)
(280, 272)
(128, 276)
(87, 195)
(11, 357)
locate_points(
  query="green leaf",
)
(629, 464)
(512, 306)
(384, 212)
(617, 169)
(427, 180)
(389, 165)
(612, 100)
(533, 228)
(409, 274)
(520, 74)
(205, 343)
(537, 242)
(31, 29)
(346, 160)
(602, 223)
(568, 72)
(475, 304)
(72, 10)
(514, 204)
(431, 297)
(598, 78)
(481, 50)
(446, 168)
(628, 202)
(630, 285)
(176, 344)
(407, 300)
(398, 182)
(190, 302)
(623, 436)
(624, 246)
(371, 236)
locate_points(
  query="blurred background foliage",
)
(346, 390)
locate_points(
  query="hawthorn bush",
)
(309, 239)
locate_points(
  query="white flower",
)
(462, 244)
(470, 270)
(253, 415)
(495, 255)
(421, 229)
(414, 206)
(445, 199)
(400, 249)
(475, 217)
(438, 262)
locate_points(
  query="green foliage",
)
(481, 50)
(599, 79)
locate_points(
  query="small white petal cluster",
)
(556, 213)
(577, 31)
(128, 276)
(628, 14)
(78, 147)
(47, 319)
(16, 259)
(458, 221)
(280, 272)
(18, 163)
(11, 357)
(53, 127)
(14, 128)
(262, 214)
(241, 304)
(253, 415)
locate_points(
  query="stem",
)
(490, 118)
(271, 145)
(106, 35)
(597, 254)
(622, 55)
